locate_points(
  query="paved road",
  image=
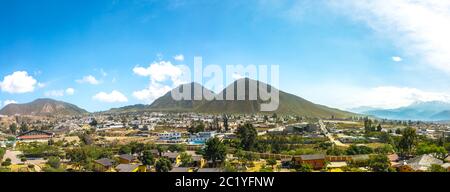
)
(13, 156)
(330, 136)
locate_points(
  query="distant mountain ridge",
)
(420, 111)
(43, 107)
(288, 104)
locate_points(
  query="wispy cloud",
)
(89, 79)
(418, 27)
(54, 93)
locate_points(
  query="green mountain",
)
(167, 103)
(43, 107)
(288, 103)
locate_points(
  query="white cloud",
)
(113, 97)
(89, 79)
(397, 59)
(7, 102)
(70, 91)
(179, 57)
(54, 93)
(419, 27)
(152, 92)
(158, 72)
(393, 97)
(18, 82)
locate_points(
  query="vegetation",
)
(304, 168)
(247, 135)
(38, 150)
(177, 148)
(84, 156)
(437, 151)
(408, 142)
(7, 162)
(147, 158)
(196, 127)
(2, 152)
(214, 150)
(437, 168)
(358, 150)
(379, 163)
(163, 165)
(54, 162)
(186, 159)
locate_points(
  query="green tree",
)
(225, 123)
(186, 159)
(23, 127)
(214, 150)
(161, 149)
(304, 167)
(368, 127)
(436, 168)
(379, 163)
(86, 139)
(125, 149)
(136, 148)
(386, 138)
(408, 142)
(247, 134)
(379, 128)
(196, 127)
(437, 151)
(7, 162)
(272, 162)
(93, 123)
(177, 147)
(163, 165)
(358, 150)
(23, 159)
(50, 142)
(54, 162)
(147, 158)
(13, 128)
(385, 149)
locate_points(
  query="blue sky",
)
(339, 54)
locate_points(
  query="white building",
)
(169, 136)
(202, 137)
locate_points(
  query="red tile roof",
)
(25, 137)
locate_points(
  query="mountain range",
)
(419, 111)
(43, 107)
(288, 103)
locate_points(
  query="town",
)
(198, 142)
